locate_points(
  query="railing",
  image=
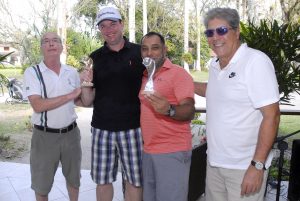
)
(282, 146)
(283, 111)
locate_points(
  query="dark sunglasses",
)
(221, 31)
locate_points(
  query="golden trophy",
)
(88, 67)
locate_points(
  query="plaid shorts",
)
(108, 147)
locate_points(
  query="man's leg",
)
(133, 193)
(44, 159)
(73, 193)
(104, 163)
(234, 179)
(71, 162)
(215, 189)
(104, 192)
(171, 172)
(130, 147)
(41, 197)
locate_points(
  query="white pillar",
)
(186, 32)
(62, 27)
(131, 20)
(145, 18)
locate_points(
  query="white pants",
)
(225, 185)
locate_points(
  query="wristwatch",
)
(171, 111)
(258, 165)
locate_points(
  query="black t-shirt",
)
(117, 80)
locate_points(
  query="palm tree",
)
(131, 20)
(186, 32)
(145, 18)
(198, 35)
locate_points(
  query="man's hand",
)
(252, 181)
(74, 94)
(86, 75)
(159, 103)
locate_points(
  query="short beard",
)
(160, 62)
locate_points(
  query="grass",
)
(289, 124)
(14, 121)
(14, 118)
(199, 76)
(12, 73)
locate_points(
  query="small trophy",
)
(89, 67)
(150, 66)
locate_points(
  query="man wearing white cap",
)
(116, 134)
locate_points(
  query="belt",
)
(57, 130)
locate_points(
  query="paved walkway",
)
(15, 185)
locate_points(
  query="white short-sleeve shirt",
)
(233, 98)
(56, 85)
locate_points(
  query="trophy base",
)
(87, 84)
(147, 92)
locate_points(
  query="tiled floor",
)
(15, 186)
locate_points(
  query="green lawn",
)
(289, 124)
(199, 76)
(12, 73)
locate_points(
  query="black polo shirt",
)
(117, 79)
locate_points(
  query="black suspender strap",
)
(41, 79)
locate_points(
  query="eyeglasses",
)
(53, 40)
(221, 31)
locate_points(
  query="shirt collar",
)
(44, 68)
(126, 45)
(166, 65)
(241, 51)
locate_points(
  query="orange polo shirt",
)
(162, 134)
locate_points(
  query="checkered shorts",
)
(108, 147)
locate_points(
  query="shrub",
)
(282, 44)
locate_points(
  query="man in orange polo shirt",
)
(165, 124)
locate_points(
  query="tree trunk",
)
(131, 20)
(198, 64)
(62, 28)
(186, 32)
(145, 19)
(250, 10)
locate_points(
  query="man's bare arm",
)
(40, 104)
(200, 88)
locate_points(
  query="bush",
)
(72, 61)
(282, 44)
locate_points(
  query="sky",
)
(23, 13)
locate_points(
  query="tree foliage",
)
(282, 44)
(164, 16)
(79, 46)
(290, 10)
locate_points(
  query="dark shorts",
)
(47, 150)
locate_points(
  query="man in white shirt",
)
(242, 112)
(52, 89)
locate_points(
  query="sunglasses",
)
(221, 31)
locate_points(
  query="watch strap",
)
(255, 163)
(171, 111)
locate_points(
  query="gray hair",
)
(228, 14)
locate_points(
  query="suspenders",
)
(43, 92)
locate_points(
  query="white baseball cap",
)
(108, 13)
